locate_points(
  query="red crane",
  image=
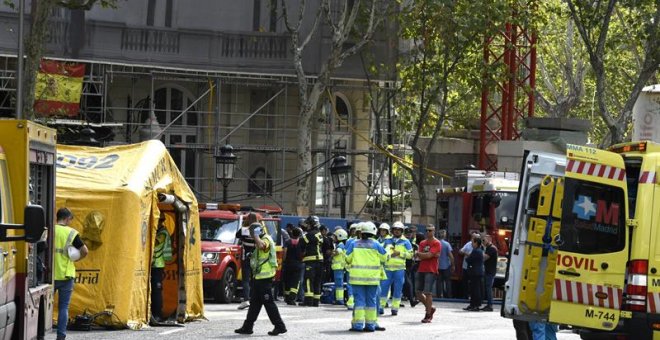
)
(511, 99)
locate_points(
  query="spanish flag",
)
(58, 88)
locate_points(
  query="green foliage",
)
(441, 75)
(622, 55)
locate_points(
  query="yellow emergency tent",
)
(117, 195)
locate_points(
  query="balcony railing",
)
(253, 46)
(150, 40)
(240, 46)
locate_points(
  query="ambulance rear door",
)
(532, 257)
(592, 242)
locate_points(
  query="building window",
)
(260, 183)
(182, 136)
(334, 135)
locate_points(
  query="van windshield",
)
(217, 229)
(593, 220)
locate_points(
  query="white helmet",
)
(73, 253)
(384, 226)
(398, 225)
(369, 228)
(341, 234)
(354, 226)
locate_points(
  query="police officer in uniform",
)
(263, 263)
(313, 260)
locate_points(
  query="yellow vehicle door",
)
(533, 253)
(592, 241)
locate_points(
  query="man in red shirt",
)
(427, 272)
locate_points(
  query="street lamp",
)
(341, 179)
(224, 168)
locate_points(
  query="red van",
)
(221, 253)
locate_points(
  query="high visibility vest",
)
(366, 258)
(403, 246)
(64, 267)
(382, 240)
(162, 249)
(264, 262)
(339, 260)
(313, 241)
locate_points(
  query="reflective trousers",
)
(395, 279)
(349, 290)
(365, 314)
(313, 278)
(339, 286)
(543, 331)
(292, 279)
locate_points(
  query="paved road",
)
(331, 322)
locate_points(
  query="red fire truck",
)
(221, 253)
(478, 201)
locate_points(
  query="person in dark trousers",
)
(327, 248)
(247, 247)
(313, 259)
(523, 332)
(475, 272)
(490, 268)
(278, 290)
(409, 283)
(292, 265)
(162, 254)
(263, 263)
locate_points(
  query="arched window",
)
(169, 102)
(260, 182)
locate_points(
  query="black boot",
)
(315, 303)
(245, 329)
(277, 330)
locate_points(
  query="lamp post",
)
(340, 172)
(225, 161)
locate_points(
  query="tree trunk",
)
(33, 52)
(307, 112)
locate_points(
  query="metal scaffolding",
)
(255, 112)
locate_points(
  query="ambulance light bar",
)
(621, 148)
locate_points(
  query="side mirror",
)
(35, 223)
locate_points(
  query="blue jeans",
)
(65, 289)
(488, 287)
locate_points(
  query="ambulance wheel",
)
(226, 288)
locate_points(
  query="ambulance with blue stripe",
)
(585, 249)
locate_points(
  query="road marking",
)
(171, 331)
